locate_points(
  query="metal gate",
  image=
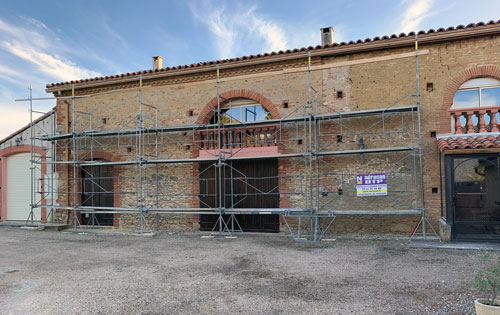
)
(473, 196)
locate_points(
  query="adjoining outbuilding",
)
(16, 152)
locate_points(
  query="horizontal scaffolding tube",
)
(174, 161)
(232, 158)
(88, 209)
(377, 212)
(234, 125)
(363, 151)
(287, 211)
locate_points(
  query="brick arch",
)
(206, 113)
(98, 154)
(467, 74)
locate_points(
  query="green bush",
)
(488, 280)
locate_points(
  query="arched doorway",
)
(244, 184)
(97, 191)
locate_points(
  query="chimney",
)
(157, 62)
(326, 36)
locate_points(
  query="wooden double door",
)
(97, 191)
(248, 184)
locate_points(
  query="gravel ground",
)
(45, 272)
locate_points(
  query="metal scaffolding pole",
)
(31, 216)
(75, 152)
(423, 221)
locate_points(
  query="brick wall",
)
(365, 82)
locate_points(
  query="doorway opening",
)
(97, 191)
(249, 184)
(473, 196)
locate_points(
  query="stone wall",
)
(366, 80)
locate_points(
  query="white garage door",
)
(19, 187)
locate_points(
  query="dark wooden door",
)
(97, 191)
(250, 184)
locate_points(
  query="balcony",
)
(241, 141)
(475, 120)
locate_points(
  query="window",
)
(482, 92)
(242, 110)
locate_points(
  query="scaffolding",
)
(318, 142)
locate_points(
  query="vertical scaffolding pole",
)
(75, 159)
(219, 146)
(424, 219)
(32, 163)
(316, 164)
(139, 159)
(310, 153)
(309, 136)
(139, 154)
(52, 167)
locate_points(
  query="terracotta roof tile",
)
(477, 142)
(288, 51)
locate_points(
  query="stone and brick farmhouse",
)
(283, 139)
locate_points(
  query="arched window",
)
(242, 110)
(478, 93)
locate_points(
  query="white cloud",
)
(36, 46)
(31, 54)
(32, 36)
(53, 66)
(11, 75)
(415, 13)
(113, 34)
(35, 22)
(240, 30)
(273, 34)
(20, 78)
(224, 31)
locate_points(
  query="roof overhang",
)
(471, 141)
(430, 37)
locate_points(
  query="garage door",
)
(18, 187)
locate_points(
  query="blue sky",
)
(52, 41)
